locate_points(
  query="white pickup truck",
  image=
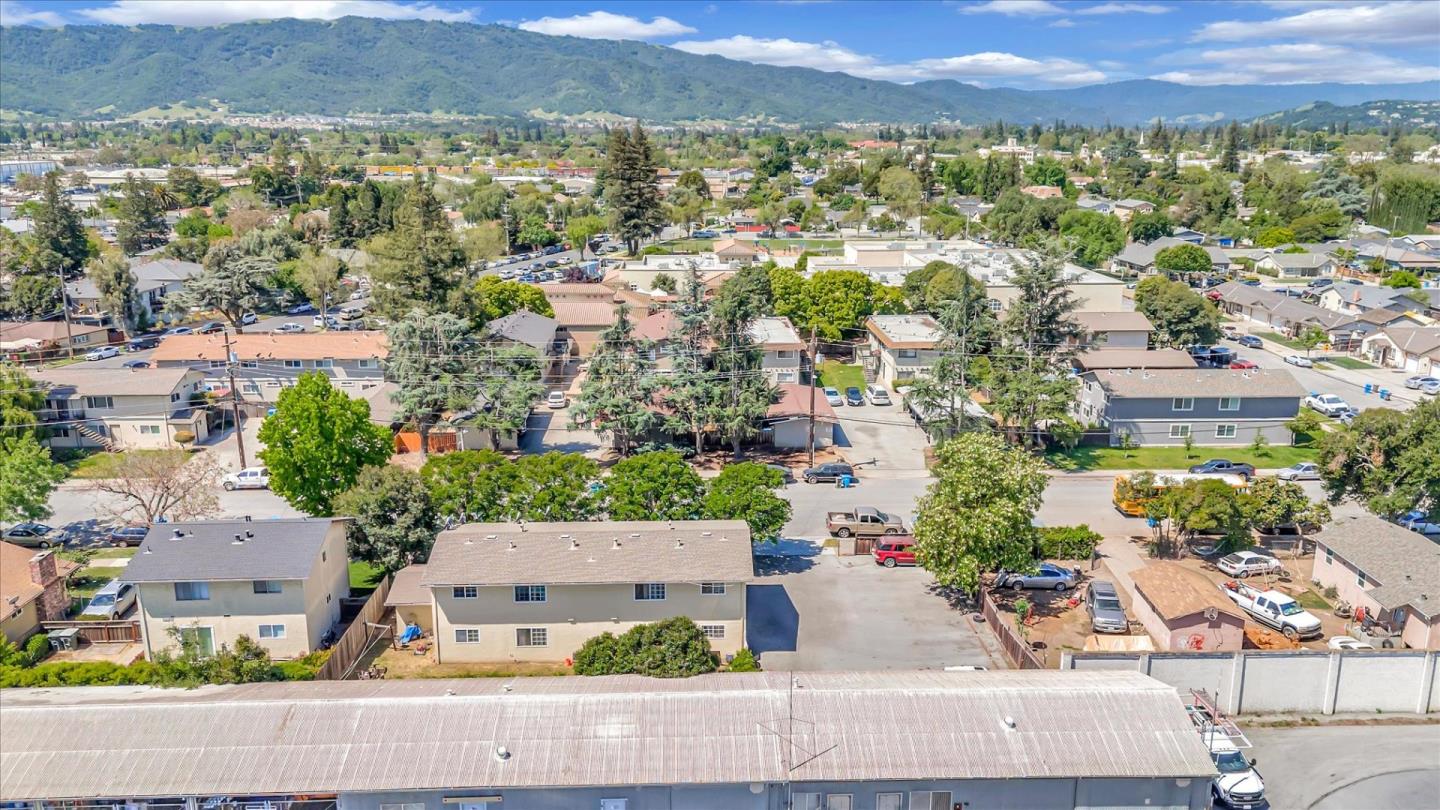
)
(1274, 609)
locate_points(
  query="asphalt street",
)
(1348, 767)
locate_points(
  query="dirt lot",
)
(406, 664)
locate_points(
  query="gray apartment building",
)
(1214, 406)
(728, 741)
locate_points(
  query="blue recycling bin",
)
(1384, 393)
(1369, 388)
(845, 482)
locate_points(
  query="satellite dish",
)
(1211, 614)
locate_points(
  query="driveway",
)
(812, 611)
(1379, 767)
(884, 439)
(549, 430)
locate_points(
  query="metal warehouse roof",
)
(339, 736)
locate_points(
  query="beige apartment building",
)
(279, 582)
(122, 408)
(266, 364)
(538, 591)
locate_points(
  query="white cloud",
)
(1299, 63)
(16, 14)
(1014, 8)
(217, 12)
(604, 25)
(1063, 22)
(1125, 8)
(826, 55)
(1386, 22)
(990, 66)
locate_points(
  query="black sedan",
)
(853, 396)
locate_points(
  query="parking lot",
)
(1341, 767)
(881, 438)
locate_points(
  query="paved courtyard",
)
(1341, 767)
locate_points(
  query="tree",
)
(1181, 316)
(1182, 260)
(691, 390)
(233, 282)
(1230, 153)
(746, 491)
(1274, 236)
(900, 189)
(471, 485)
(395, 521)
(115, 282)
(1282, 504)
(617, 394)
(632, 188)
(21, 400)
(484, 242)
(57, 236)
(554, 487)
(1341, 187)
(27, 478)
(1405, 198)
(422, 261)
(1146, 228)
(317, 442)
(580, 230)
(509, 387)
(694, 180)
(142, 217)
(967, 328)
(670, 648)
(1094, 236)
(435, 363)
(492, 298)
(1310, 337)
(978, 515)
(841, 300)
(318, 275)
(1385, 459)
(169, 485)
(1206, 506)
(653, 486)
(1401, 279)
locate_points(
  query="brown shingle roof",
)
(1134, 358)
(15, 581)
(1114, 321)
(311, 346)
(1175, 591)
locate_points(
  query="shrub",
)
(183, 437)
(597, 656)
(1068, 542)
(744, 661)
(671, 648)
(37, 647)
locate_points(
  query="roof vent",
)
(239, 540)
(249, 534)
(512, 545)
(616, 543)
(574, 544)
(178, 535)
(679, 543)
(1009, 721)
(492, 537)
(634, 535)
(502, 753)
(706, 534)
(247, 518)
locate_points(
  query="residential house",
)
(1354, 299)
(581, 323)
(1298, 265)
(538, 591)
(1114, 330)
(1183, 610)
(26, 340)
(1099, 205)
(1102, 359)
(154, 280)
(524, 329)
(1214, 406)
(641, 274)
(1043, 192)
(1192, 236)
(899, 347)
(658, 328)
(886, 740)
(32, 590)
(266, 364)
(1415, 349)
(784, 358)
(1396, 256)
(123, 408)
(787, 423)
(737, 250)
(1275, 310)
(1390, 572)
(1139, 257)
(278, 581)
(1129, 207)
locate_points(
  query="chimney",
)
(247, 518)
(42, 568)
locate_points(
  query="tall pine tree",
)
(631, 187)
(617, 394)
(58, 238)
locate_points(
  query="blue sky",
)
(1014, 43)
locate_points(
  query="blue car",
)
(1251, 342)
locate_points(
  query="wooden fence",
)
(357, 638)
(99, 632)
(1017, 650)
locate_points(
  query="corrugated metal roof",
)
(569, 732)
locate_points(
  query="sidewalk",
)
(1377, 378)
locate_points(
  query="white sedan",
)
(1297, 360)
(102, 353)
(1303, 471)
(1347, 643)
(289, 328)
(557, 400)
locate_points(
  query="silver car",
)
(1420, 381)
(1303, 471)
(1048, 577)
(112, 601)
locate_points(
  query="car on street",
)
(352, 313)
(1300, 471)
(1317, 283)
(130, 535)
(303, 308)
(863, 521)
(893, 551)
(557, 400)
(833, 398)
(1048, 576)
(210, 327)
(1419, 381)
(1250, 342)
(33, 535)
(142, 343)
(1236, 784)
(853, 397)
(877, 395)
(1299, 361)
(248, 478)
(1348, 415)
(1229, 333)
(1424, 527)
(1244, 364)
(1328, 404)
(1348, 643)
(1107, 615)
(1222, 466)
(829, 471)
(177, 330)
(113, 600)
(357, 295)
(248, 318)
(325, 321)
(135, 364)
(102, 353)
(290, 328)
(1431, 388)
(1243, 564)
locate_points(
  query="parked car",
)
(893, 551)
(1424, 527)
(829, 471)
(1299, 361)
(248, 478)
(1236, 784)
(833, 398)
(1107, 615)
(1244, 364)
(1318, 283)
(786, 476)
(325, 321)
(113, 600)
(1274, 609)
(1328, 404)
(1250, 342)
(352, 313)
(211, 327)
(1049, 576)
(178, 330)
(290, 328)
(1432, 388)
(863, 521)
(248, 318)
(102, 353)
(1242, 564)
(1229, 333)
(557, 400)
(1348, 415)
(302, 308)
(1348, 643)
(142, 343)
(853, 396)
(1222, 466)
(877, 395)
(1420, 380)
(357, 295)
(33, 535)
(130, 535)
(1300, 471)
(135, 364)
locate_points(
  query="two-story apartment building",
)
(1213, 406)
(899, 347)
(122, 408)
(538, 591)
(26, 340)
(1114, 330)
(268, 363)
(1388, 570)
(154, 279)
(279, 582)
(784, 357)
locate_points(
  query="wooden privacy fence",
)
(1017, 649)
(357, 638)
(99, 632)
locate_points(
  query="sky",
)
(1032, 44)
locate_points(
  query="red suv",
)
(893, 551)
(1243, 364)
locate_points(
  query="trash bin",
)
(64, 639)
(845, 482)
(1384, 393)
(1369, 388)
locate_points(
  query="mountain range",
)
(1363, 116)
(359, 65)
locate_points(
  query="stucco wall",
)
(1158, 432)
(233, 610)
(22, 625)
(329, 582)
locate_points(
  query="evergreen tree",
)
(57, 237)
(436, 366)
(115, 282)
(692, 385)
(142, 217)
(341, 229)
(967, 328)
(616, 397)
(422, 261)
(1230, 154)
(1334, 183)
(632, 188)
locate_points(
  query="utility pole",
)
(234, 399)
(65, 311)
(814, 341)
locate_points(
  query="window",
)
(839, 801)
(1179, 431)
(1360, 578)
(1182, 404)
(995, 305)
(785, 376)
(249, 364)
(175, 397)
(214, 364)
(328, 362)
(99, 402)
(712, 588)
(805, 801)
(267, 586)
(530, 593)
(531, 637)
(365, 363)
(1229, 403)
(614, 804)
(467, 635)
(403, 806)
(81, 339)
(929, 800)
(272, 631)
(250, 388)
(1329, 556)
(1224, 431)
(907, 354)
(192, 591)
(464, 592)
(785, 354)
(649, 591)
(60, 433)
(713, 630)
(149, 430)
(293, 364)
(883, 801)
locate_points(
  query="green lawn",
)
(85, 582)
(363, 577)
(1312, 601)
(689, 245)
(101, 554)
(1282, 340)
(1349, 362)
(840, 376)
(1172, 458)
(809, 244)
(95, 464)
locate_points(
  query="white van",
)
(876, 395)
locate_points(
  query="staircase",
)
(84, 429)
